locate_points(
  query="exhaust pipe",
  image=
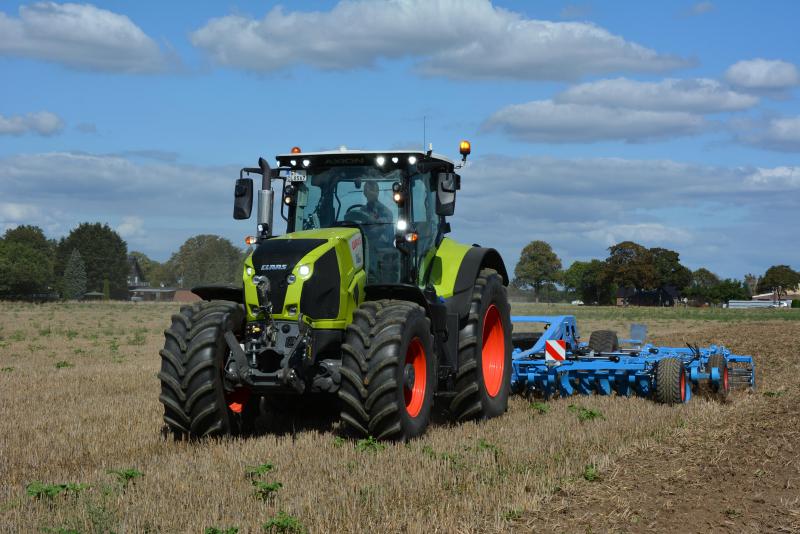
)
(266, 196)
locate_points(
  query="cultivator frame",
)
(632, 370)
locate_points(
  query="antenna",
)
(424, 131)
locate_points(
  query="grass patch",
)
(540, 407)
(283, 523)
(590, 473)
(125, 476)
(369, 444)
(64, 364)
(40, 490)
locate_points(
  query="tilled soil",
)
(737, 472)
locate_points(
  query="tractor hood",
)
(309, 271)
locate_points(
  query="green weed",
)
(266, 490)
(217, 530)
(512, 515)
(338, 441)
(18, 335)
(40, 490)
(284, 523)
(114, 346)
(540, 407)
(44, 332)
(125, 476)
(64, 364)
(774, 394)
(257, 470)
(138, 337)
(591, 473)
(7, 369)
(369, 444)
(585, 414)
(71, 334)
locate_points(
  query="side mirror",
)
(243, 198)
(446, 185)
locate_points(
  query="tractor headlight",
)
(249, 271)
(304, 271)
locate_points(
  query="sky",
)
(673, 124)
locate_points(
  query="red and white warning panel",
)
(555, 350)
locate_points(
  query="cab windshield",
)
(362, 195)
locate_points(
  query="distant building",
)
(135, 274)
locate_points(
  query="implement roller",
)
(555, 362)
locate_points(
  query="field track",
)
(79, 397)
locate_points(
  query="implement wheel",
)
(671, 382)
(388, 371)
(604, 341)
(723, 387)
(195, 402)
(484, 352)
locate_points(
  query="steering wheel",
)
(355, 206)
(358, 217)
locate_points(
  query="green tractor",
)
(363, 303)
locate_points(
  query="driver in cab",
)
(374, 209)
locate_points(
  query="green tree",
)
(104, 254)
(702, 286)
(590, 281)
(780, 279)
(74, 281)
(26, 262)
(669, 271)
(537, 265)
(728, 289)
(630, 264)
(206, 259)
(752, 281)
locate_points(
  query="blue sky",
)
(674, 124)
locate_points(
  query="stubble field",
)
(79, 406)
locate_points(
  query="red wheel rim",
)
(493, 352)
(415, 395)
(683, 386)
(725, 386)
(237, 399)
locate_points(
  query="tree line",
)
(93, 258)
(637, 270)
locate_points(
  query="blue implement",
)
(631, 370)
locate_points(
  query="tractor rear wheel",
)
(671, 386)
(723, 387)
(604, 341)
(483, 380)
(195, 402)
(388, 371)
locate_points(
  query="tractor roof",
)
(350, 152)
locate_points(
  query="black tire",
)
(473, 399)
(604, 341)
(192, 360)
(671, 381)
(375, 396)
(720, 362)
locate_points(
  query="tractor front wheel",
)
(483, 380)
(196, 404)
(388, 371)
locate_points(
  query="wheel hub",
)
(409, 376)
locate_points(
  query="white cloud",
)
(763, 74)
(775, 133)
(714, 216)
(551, 122)
(41, 122)
(131, 227)
(80, 36)
(694, 95)
(453, 38)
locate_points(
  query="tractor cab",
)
(390, 196)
